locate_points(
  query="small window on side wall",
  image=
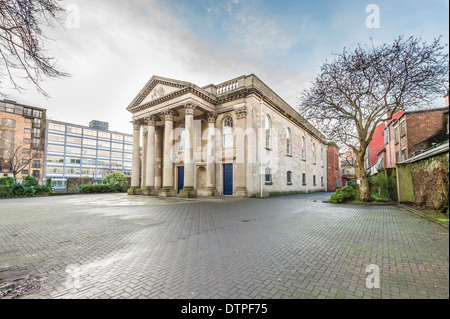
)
(289, 178)
(268, 176)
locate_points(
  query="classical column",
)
(158, 164)
(188, 190)
(168, 186)
(211, 155)
(150, 158)
(144, 156)
(135, 172)
(241, 116)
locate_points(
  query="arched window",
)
(288, 142)
(268, 128)
(228, 132)
(181, 138)
(289, 178)
(303, 148)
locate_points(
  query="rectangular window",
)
(128, 147)
(402, 129)
(56, 127)
(55, 148)
(104, 153)
(89, 152)
(127, 156)
(55, 159)
(25, 172)
(396, 135)
(27, 141)
(89, 161)
(303, 179)
(116, 155)
(9, 123)
(74, 130)
(104, 135)
(25, 162)
(117, 146)
(89, 142)
(73, 160)
(104, 144)
(268, 177)
(73, 140)
(27, 131)
(73, 150)
(28, 121)
(56, 138)
(90, 132)
(117, 137)
(404, 154)
(314, 180)
(26, 151)
(36, 173)
(54, 170)
(72, 170)
(321, 180)
(36, 164)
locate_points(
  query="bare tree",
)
(22, 51)
(362, 88)
(21, 159)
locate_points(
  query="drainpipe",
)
(261, 144)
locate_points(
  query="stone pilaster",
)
(211, 155)
(241, 149)
(158, 158)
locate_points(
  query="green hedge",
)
(9, 188)
(100, 188)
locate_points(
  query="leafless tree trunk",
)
(22, 51)
(365, 87)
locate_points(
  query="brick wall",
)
(22, 134)
(421, 126)
(333, 167)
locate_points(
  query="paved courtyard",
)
(119, 246)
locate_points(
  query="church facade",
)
(237, 138)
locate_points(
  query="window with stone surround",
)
(268, 128)
(228, 132)
(288, 142)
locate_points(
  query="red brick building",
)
(334, 174)
(412, 133)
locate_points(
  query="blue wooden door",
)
(228, 179)
(180, 179)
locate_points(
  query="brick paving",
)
(118, 246)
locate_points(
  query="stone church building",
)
(237, 138)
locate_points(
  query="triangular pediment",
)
(159, 91)
(155, 89)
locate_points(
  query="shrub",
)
(385, 187)
(30, 181)
(117, 180)
(7, 181)
(344, 194)
(93, 189)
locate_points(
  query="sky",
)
(112, 48)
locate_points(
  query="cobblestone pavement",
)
(118, 246)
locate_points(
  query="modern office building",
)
(22, 136)
(75, 151)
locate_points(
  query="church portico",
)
(190, 141)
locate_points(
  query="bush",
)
(117, 180)
(94, 189)
(384, 187)
(7, 181)
(344, 194)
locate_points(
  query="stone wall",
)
(430, 182)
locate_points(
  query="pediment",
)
(155, 89)
(159, 91)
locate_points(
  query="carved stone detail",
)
(241, 112)
(189, 108)
(169, 114)
(211, 117)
